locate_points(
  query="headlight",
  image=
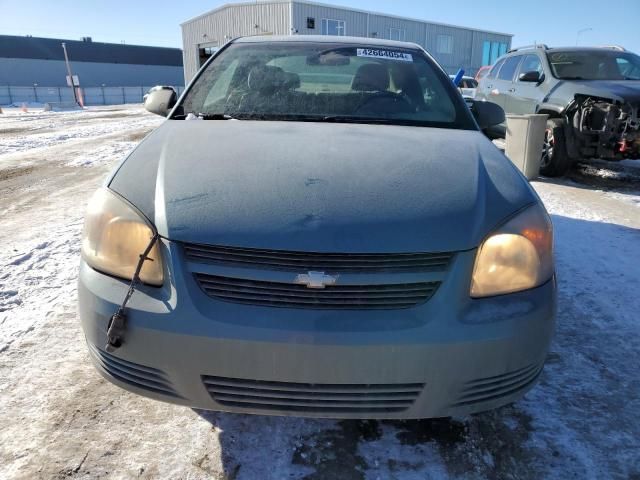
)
(114, 237)
(517, 256)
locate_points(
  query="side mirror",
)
(533, 77)
(160, 100)
(487, 114)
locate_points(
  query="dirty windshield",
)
(327, 82)
(590, 65)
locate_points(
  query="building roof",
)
(381, 42)
(339, 7)
(87, 51)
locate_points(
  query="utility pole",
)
(580, 32)
(66, 61)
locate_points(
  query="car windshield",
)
(305, 81)
(594, 65)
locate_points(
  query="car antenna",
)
(118, 321)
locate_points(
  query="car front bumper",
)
(452, 355)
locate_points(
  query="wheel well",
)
(570, 138)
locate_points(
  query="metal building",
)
(28, 61)
(452, 46)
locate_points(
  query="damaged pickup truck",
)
(592, 97)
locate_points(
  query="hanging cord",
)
(118, 321)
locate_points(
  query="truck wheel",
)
(555, 160)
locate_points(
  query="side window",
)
(531, 63)
(494, 70)
(627, 69)
(509, 68)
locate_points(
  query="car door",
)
(505, 80)
(485, 88)
(502, 84)
(525, 97)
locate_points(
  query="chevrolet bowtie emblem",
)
(315, 279)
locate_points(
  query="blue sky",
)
(156, 22)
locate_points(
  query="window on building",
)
(444, 44)
(333, 27)
(397, 34)
(491, 51)
(311, 23)
(486, 53)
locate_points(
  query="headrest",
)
(266, 78)
(371, 77)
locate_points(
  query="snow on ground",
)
(39, 263)
(60, 419)
(36, 129)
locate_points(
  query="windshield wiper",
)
(302, 118)
(354, 119)
(205, 116)
(215, 116)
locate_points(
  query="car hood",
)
(321, 186)
(623, 90)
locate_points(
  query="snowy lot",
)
(60, 419)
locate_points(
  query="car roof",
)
(377, 42)
(585, 49)
(612, 48)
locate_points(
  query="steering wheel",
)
(401, 101)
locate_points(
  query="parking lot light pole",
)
(580, 32)
(66, 61)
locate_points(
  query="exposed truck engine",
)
(605, 128)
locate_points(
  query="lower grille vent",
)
(308, 397)
(133, 374)
(491, 388)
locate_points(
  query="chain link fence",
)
(91, 95)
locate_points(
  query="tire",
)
(555, 160)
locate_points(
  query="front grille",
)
(306, 261)
(312, 397)
(133, 374)
(492, 388)
(291, 295)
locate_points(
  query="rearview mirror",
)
(332, 58)
(533, 77)
(487, 114)
(160, 100)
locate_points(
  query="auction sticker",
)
(388, 54)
